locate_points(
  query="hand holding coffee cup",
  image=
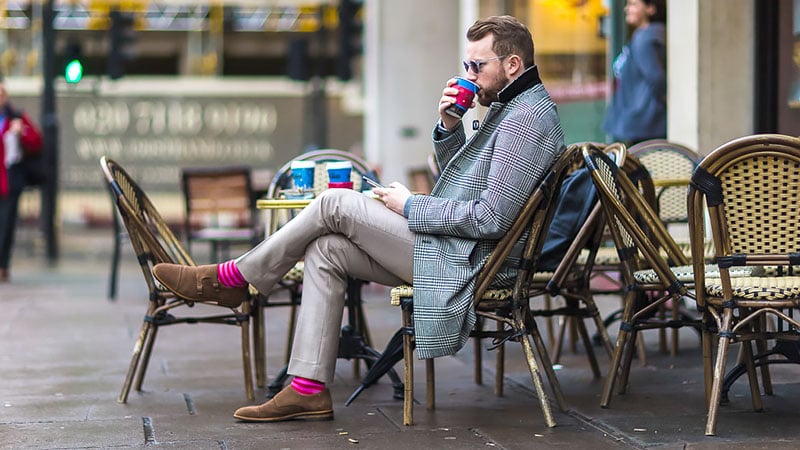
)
(464, 98)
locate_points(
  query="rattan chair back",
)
(282, 180)
(671, 165)
(154, 243)
(632, 221)
(151, 237)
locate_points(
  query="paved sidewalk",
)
(64, 350)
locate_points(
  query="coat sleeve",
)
(446, 144)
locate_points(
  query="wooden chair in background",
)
(220, 208)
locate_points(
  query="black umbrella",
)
(382, 365)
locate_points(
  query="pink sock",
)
(229, 275)
(305, 386)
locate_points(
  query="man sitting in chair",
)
(438, 241)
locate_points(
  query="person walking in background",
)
(638, 109)
(19, 139)
(438, 241)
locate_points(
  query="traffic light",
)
(350, 29)
(121, 36)
(73, 63)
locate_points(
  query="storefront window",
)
(571, 49)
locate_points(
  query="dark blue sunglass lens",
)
(471, 65)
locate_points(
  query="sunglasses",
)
(475, 64)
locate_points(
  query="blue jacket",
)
(638, 109)
(484, 183)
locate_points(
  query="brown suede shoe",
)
(199, 284)
(289, 405)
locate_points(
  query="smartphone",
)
(373, 183)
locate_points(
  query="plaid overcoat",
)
(483, 186)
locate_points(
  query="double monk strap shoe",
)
(199, 284)
(289, 405)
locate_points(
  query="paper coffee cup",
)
(339, 171)
(464, 98)
(303, 175)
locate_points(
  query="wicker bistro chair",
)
(751, 187)
(508, 307)
(656, 273)
(640, 238)
(608, 261)
(292, 282)
(154, 243)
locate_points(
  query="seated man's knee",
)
(328, 244)
(333, 195)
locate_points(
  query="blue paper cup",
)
(339, 172)
(466, 93)
(303, 177)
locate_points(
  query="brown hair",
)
(511, 37)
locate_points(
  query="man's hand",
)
(393, 196)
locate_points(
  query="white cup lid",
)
(340, 165)
(303, 164)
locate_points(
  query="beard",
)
(488, 94)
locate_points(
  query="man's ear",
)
(514, 64)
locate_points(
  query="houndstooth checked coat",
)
(483, 186)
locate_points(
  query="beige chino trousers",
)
(342, 233)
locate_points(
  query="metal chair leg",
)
(619, 349)
(533, 367)
(408, 363)
(430, 384)
(259, 343)
(134, 364)
(244, 324)
(500, 366)
(755, 393)
(147, 350)
(719, 372)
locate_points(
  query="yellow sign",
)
(567, 26)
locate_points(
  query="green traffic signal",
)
(73, 72)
